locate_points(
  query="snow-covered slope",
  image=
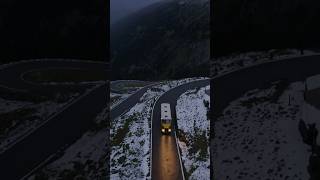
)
(258, 136)
(194, 128)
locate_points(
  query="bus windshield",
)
(165, 121)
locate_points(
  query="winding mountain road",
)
(230, 86)
(11, 75)
(68, 125)
(166, 162)
(128, 103)
(62, 129)
(165, 156)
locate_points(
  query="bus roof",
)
(165, 111)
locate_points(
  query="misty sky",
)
(121, 8)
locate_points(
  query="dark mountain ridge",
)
(166, 40)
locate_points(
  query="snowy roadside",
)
(85, 159)
(237, 61)
(258, 135)
(18, 117)
(130, 135)
(122, 89)
(123, 92)
(117, 98)
(194, 128)
(130, 140)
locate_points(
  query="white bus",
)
(166, 119)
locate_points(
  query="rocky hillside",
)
(163, 41)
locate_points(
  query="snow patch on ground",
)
(258, 136)
(130, 153)
(122, 89)
(18, 118)
(117, 98)
(9, 105)
(85, 159)
(35, 114)
(130, 157)
(193, 123)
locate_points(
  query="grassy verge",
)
(121, 133)
(200, 144)
(197, 144)
(11, 119)
(309, 134)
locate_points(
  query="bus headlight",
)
(162, 130)
(169, 130)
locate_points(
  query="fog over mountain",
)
(122, 8)
(166, 40)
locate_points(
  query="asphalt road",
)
(128, 103)
(68, 126)
(11, 76)
(63, 129)
(229, 87)
(165, 158)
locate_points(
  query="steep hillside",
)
(163, 41)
